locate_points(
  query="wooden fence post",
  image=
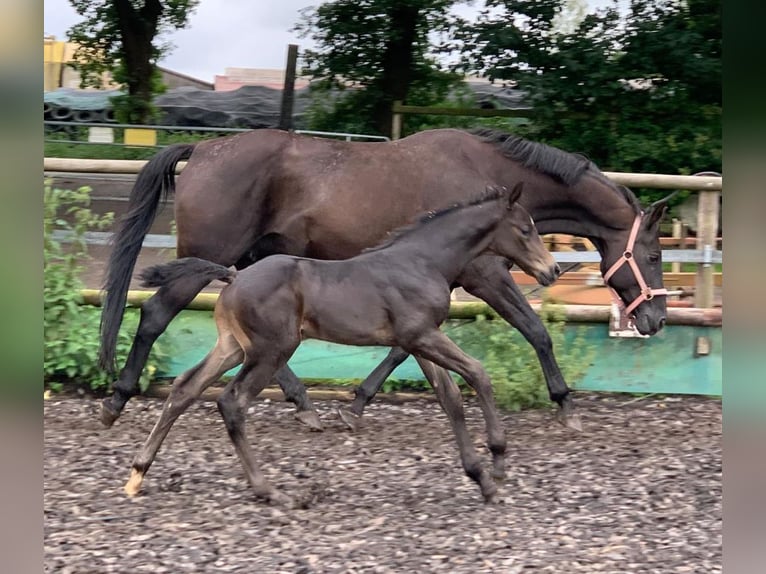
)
(396, 121)
(707, 228)
(288, 90)
(675, 267)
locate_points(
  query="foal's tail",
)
(155, 181)
(180, 269)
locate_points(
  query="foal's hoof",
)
(569, 419)
(351, 420)
(133, 486)
(108, 414)
(310, 419)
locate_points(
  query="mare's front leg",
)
(370, 387)
(487, 277)
(156, 314)
(438, 348)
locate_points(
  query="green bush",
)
(71, 330)
(512, 363)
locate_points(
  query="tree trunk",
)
(397, 65)
(137, 29)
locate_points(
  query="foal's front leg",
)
(232, 404)
(487, 277)
(451, 402)
(437, 347)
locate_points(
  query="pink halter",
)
(647, 293)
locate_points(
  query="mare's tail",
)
(155, 181)
(178, 270)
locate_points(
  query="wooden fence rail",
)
(705, 255)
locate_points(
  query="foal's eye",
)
(654, 257)
(526, 231)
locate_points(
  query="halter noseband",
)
(647, 293)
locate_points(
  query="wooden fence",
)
(705, 256)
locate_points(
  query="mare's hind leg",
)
(437, 347)
(156, 314)
(452, 402)
(232, 404)
(186, 388)
(295, 392)
(370, 387)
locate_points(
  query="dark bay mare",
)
(243, 197)
(397, 294)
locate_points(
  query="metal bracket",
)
(621, 326)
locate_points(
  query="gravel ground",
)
(638, 492)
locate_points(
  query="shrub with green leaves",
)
(71, 330)
(512, 363)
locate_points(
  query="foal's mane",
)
(561, 165)
(489, 194)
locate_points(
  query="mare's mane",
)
(563, 166)
(490, 194)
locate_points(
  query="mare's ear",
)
(656, 210)
(515, 193)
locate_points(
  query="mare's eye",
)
(526, 231)
(654, 257)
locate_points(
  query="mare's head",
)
(632, 267)
(516, 238)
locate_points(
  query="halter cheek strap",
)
(647, 293)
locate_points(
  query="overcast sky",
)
(225, 33)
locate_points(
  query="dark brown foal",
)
(397, 294)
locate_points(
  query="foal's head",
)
(516, 238)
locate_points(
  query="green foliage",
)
(71, 330)
(121, 38)
(512, 363)
(109, 151)
(369, 54)
(639, 92)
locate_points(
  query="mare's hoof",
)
(108, 414)
(310, 419)
(498, 477)
(570, 419)
(490, 494)
(277, 498)
(351, 420)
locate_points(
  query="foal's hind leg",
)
(232, 404)
(452, 402)
(226, 355)
(156, 314)
(437, 347)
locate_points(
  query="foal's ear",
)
(515, 193)
(656, 210)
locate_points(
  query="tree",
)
(118, 36)
(371, 53)
(635, 92)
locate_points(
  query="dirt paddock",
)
(638, 492)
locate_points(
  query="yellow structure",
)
(140, 137)
(57, 55)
